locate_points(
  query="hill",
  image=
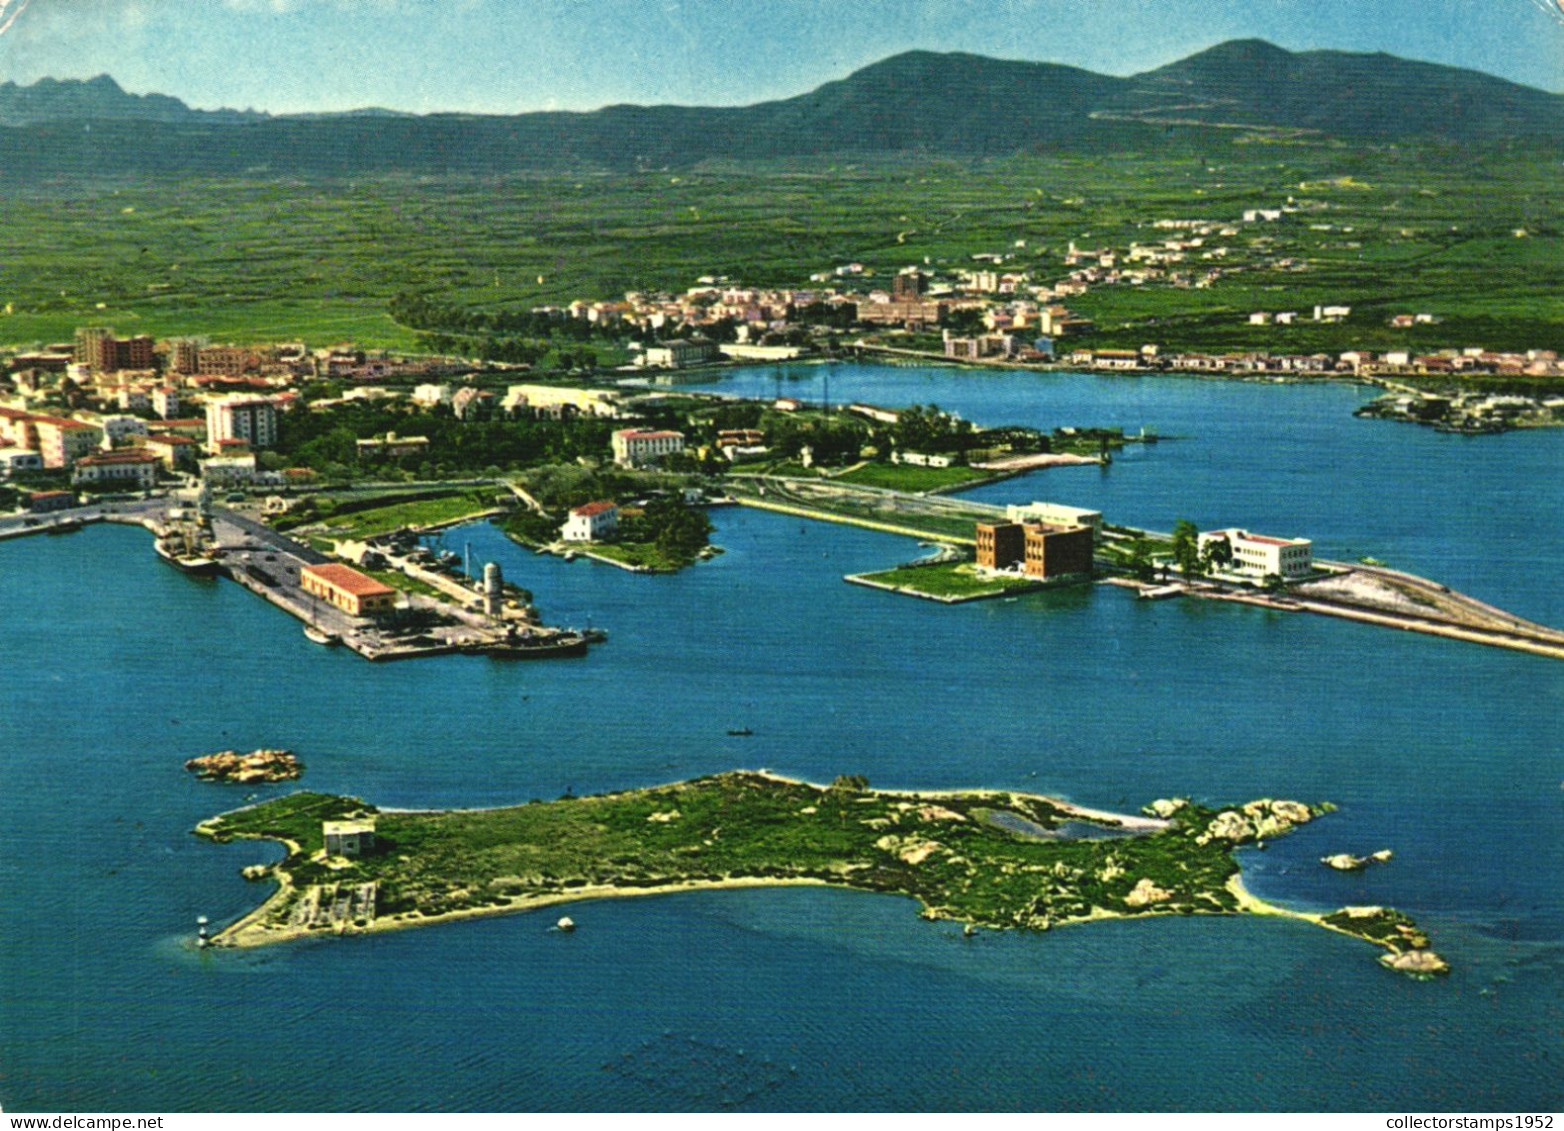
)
(915, 103)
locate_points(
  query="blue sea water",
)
(118, 668)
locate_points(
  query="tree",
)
(1140, 562)
(1186, 548)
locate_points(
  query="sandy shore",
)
(252, 931)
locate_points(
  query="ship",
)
(183, 555)
(538, 646)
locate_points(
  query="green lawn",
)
(949, 579)
(907, 477)
(359, 525)
(643, 555)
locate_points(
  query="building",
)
(62, 442)
(1239, 553)
(344, 587)
(229, 471)
(120, 429)
(908, 285)
(391, 446)
(593, 522)
(635, 447)
(251, 419)
(13, 460)
(1054, 551)
(349, 838)
(673, 354)
(132, 467)
(175, 451)
(560, 400)
(165, 401)
(1000, 545)
(1055, 514)
(43, 502)
(430, 395)
(100, 351)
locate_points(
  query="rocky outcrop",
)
(1346, 862)
(1165, 807)
(1145, 893)
(1416, 963)
(1256, 820)
(256, 766)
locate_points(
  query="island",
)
(986, 858)
(248, 769)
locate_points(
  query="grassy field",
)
(641, 555)
(374, 521)
(1384, 229)
(907, 477)
(949, 580)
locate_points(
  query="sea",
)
(116, 669)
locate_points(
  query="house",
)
(593, 522)
(635, 447)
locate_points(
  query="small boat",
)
(64, 526)
(321, 636)
(740, 732)
(566, 924)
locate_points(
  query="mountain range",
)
(919, 102)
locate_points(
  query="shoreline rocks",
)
(1346, 862)
(254, 767)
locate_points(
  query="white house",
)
(593, 522)
(1055, 514)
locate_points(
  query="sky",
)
(511, 56)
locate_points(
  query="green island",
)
(987, 858)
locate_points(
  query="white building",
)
(132, 467)
(551, 400)
(13, 460)
(1256, 555)
(250, 419)
(224, 471)
(431, 395)
(593, 522)
(635, 447)
(1055, 514)
(671, 355)
(118, 429)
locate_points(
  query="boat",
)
(740, 732)
(64, 526)
(320, 636)
(188, 562)
(566, 924)
(518, 646)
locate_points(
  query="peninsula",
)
(995, 859)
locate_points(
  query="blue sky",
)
(507, 56)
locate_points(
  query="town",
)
(313, 476)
